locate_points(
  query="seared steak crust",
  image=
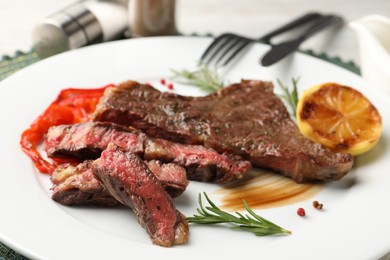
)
(129, 180)
(88, 140)
(246, 119)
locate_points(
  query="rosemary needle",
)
(290, 97)
(249, 222)
(203, 77)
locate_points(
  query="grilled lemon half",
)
(339, 117)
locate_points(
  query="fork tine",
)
(238, 49)
(226, 49)
(213, 48)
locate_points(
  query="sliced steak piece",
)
(172, 177)
(246, 119)
(201, 164)
(129, 180)
(77, 185)
(87, 140)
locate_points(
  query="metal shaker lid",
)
(70, 28)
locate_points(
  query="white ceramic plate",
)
(353, 225)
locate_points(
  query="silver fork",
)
(227, 47)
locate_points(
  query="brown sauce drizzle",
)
(262, 189)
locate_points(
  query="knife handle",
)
(319, 25)
(291, 25)
(281, 50)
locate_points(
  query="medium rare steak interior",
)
(87, 140)
(245, 119)
(129, 180)
(77, 185)
(173, 178)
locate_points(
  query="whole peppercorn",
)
(170, 86)
(301, 212)
(317, 205)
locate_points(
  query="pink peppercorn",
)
(301, 212)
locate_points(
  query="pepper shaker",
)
(82, 23)
(152, 17)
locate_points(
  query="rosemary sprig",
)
(249, 222)
(290, 97)
(208, 80)
(202, 77)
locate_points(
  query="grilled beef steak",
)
(77, 185)
(87, 140)
(201, 164)
(246, 119)
(129, 180)
(172, 177)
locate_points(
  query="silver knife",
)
(283, 49)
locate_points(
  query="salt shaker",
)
(82, 23)
(152, 17)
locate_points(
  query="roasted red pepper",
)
(70, 107)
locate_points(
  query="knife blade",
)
(279, 51)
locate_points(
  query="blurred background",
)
(251, 18)
(248, 17)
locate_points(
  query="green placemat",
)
(8, 254)
(9, 65)
(351, 66)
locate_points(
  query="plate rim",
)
(15, 76)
